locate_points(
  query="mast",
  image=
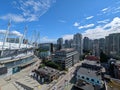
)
(6, 36)
(31, 40)
(23, 37)
(26, 37)
(38, 38)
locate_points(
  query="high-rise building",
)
(102, 44)
(59, 43)
(107, 47)
(113, 44)
(90, 44)
(71, 43)
(86, 43)
(96, 47)
(68, 43)
(77, 42)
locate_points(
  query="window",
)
(97, 81)
(92, 80)
(87, 78)
(82, 77)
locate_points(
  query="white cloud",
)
(67, 37)
(90, 17)
(30, 10)
(105, 9)
(14, 32)
(103, 21)
(110, 10)
(114, 24)
(101, 32)
(46, 39)
(2, 31)
(95, 33)
(86, 26)
(76, 24)
(13, 17)
(62, 21)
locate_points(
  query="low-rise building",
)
(46, 74)
(66, 57)
(90, 73)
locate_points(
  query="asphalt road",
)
(64, 81)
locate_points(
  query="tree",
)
(53, 65)
(103, 57)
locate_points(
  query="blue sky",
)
(61, 18)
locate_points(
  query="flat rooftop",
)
(88, 72)
(66, 50)
(91, 62)
(48, 71)
(83, 85)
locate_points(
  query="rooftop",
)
(66, 50)
(14, 45)
(47, 71)
(91, 73)
(83, 85)
(92, 62)
(117, 63)
(92, 58)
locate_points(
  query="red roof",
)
(92, 58)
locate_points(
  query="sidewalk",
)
(22, 76)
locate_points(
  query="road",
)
(64, 81)
(113, 85)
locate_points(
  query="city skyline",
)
(94, 19)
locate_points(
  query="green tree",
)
(103, 57)
(53, 65)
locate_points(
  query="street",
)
(64, 81)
